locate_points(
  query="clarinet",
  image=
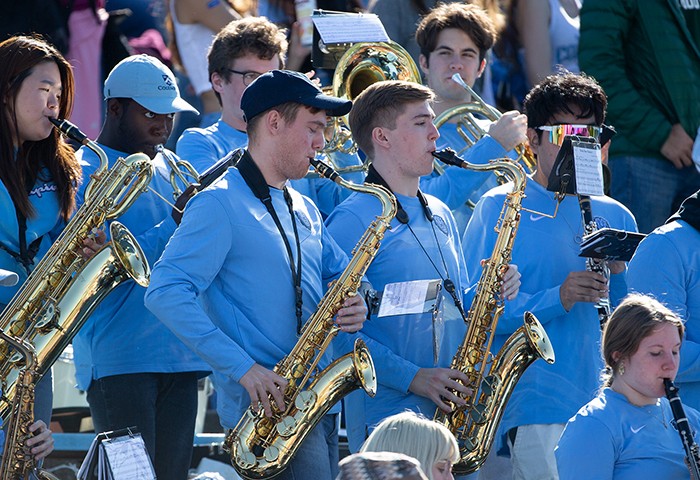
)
(595, 264)
(692, 450)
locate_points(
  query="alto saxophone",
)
(262, 447)
(491, 379)
(17, 460)
(64, 288)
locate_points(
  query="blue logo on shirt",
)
(440, 224)
(303, 219)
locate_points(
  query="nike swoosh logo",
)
(635, 430)
(535, 218)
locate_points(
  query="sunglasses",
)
(558, 132)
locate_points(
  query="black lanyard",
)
(374, 177)
(256, 182)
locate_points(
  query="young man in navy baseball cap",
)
(256, 253)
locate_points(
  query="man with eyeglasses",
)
(240, 53)
(556, 286)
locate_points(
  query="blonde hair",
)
(416, 436)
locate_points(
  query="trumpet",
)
(471, 130)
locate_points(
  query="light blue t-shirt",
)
(667, 266)
(546, 251)
(122, 336)
(226, 273)
(609, 438)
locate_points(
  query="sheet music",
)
(589, 168)
(404, 298)
(88, 460)
(350, 28)
(127, 458)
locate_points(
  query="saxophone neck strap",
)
(255, 180)
(373, 176)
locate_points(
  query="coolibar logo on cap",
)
(168, 84)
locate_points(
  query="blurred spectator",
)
(646, 55)
(380, 465)
(193, 25)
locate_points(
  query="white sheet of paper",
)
(589, 168)
(128, 459)
(351, 28)
(404, 298)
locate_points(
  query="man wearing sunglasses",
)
(556, 285)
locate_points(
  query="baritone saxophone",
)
(491, 378)
(17, 460)
(262, 447)
(64, 288)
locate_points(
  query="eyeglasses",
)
(248, 76)
(558, 132)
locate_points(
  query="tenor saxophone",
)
(491, 378)
(17, 460)
(260, 446)
(64, 288)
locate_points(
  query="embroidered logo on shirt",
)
(440, 224)
(40, 190)
(635, 430)
(536, 218)
(303, 219)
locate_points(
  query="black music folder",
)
(610, 244)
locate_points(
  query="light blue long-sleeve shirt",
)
(546, 251)
(122, 336)
(402, 344)
(667, 266)
(202, 147)
(224, 284)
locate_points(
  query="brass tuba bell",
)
(360, 66)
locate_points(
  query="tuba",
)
(64, 288)
(491, 378)
(471, 130)
(17, 462)
(262, 447)
(360, 66)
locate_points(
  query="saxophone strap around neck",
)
(255, 180)
(373, 176)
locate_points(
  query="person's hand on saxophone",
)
(41, 444)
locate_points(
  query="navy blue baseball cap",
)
(282, 86)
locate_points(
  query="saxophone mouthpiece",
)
(70, 130)
(449, 157)
(324, 169)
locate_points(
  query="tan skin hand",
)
(260, 382)
(440, 385)
(351, 317)
(583, 286)
(510, 286)
(41, 444)
(678, 147)
(93, 243)
(510, 130)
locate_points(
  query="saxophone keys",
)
(287, 426)
(305, 400)
(272, 453)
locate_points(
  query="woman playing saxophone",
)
(38, 173)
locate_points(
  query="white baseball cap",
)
(147, 81)
(8, 278)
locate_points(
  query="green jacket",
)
(646, 60)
